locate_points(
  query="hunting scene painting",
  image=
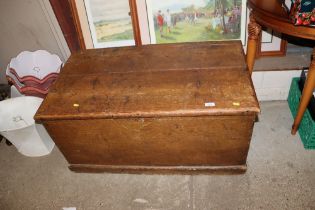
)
(196, 20)
(110, 23)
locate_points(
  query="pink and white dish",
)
(32, 73)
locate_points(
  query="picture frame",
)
(196, 20)
(272, 44)
(103, 24)
(65, 16)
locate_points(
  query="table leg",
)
(306, 95)
(254, 30)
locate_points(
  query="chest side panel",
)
(169, 141)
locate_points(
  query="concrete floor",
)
(280, 175)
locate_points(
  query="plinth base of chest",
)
(238, 169)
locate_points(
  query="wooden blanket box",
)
(169, 108)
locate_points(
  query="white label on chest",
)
(209, 104)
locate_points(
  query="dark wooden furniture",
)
(66, 19)
(159, 108)
(271, 14)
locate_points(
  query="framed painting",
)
(112, 23)
(196, 20)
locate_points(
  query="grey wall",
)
(28, 25)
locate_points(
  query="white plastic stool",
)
(18, 126)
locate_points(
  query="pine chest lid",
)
(214, 87)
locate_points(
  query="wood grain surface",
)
(170, 141)
(159, 57)
(169, 170)
(172, 80)
(187, 108)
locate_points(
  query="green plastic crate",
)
(307, 125)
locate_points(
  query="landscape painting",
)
(110, 23)
(196, 20)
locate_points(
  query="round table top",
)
(272, 14)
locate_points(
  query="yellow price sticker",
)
(236, 103)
